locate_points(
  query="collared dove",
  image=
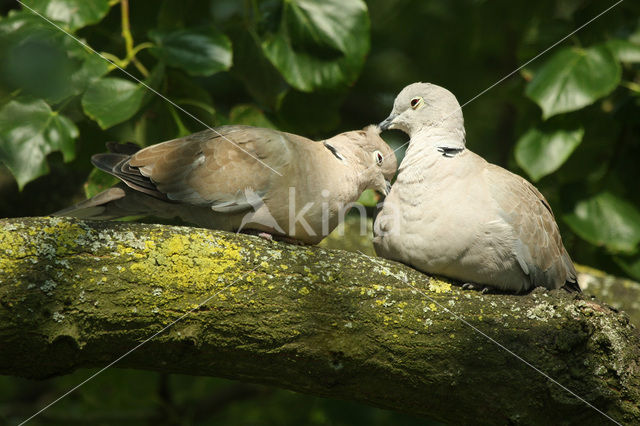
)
(283, 184)
(452, 213)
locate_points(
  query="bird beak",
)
(385, 190)
(386, 124)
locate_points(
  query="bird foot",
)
(267, 236)
(478, 287)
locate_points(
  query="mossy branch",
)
(79, 294)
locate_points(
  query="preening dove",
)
(298, 190)
(452, 213)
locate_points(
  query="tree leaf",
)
(17, 19)
(542, 152)
(31, 53)
(625, 51)
(261, 79)
(574, 78)
(198, 51)
(249, 115)
(98, 181)
(74, 14)
(112, 100)
(31, 49)
(319, 44)
(29, 131)
(369, 198)
(606, 220)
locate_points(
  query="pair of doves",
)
(449, 212)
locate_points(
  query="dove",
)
(244, 178)
(452, 213)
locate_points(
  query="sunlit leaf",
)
(112, 100)
(574, 78)
(17, 19)
(542, 152)
(29, 131)
(606, 220)
(319, 44)
(625, 51)
(74, 14)
(198, 51)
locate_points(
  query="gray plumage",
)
(452, 213)
(211, 182)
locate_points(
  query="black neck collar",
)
(449, 151)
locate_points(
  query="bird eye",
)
(379, 157)
(416, 102)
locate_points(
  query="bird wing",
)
(538, 245)
(226, 170)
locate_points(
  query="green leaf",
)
(606, 220)
(74, 14)
(112, 100)
(249, 115)
(574, 78)
(31, 49)
(198, 51)
(319, 44)
(190, 95)
(369, 198)
(31, 53)
(625, 51)
(542, 152)
(261, 79)
(97, 182)
(17, 19)
(29, 131)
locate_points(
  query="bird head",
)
(378, 159)
(423, 106)
(374, 162)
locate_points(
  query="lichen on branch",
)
(79, 294)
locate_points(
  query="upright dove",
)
(243, 178)
(452, 213)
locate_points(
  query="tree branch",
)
(77, 294)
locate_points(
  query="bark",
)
(77, 294)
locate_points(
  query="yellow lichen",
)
(186, 261)
(439, 286)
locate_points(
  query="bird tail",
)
(99, 207)
(118, 152)
(571, 283)
(111, 203)
(572, 286)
